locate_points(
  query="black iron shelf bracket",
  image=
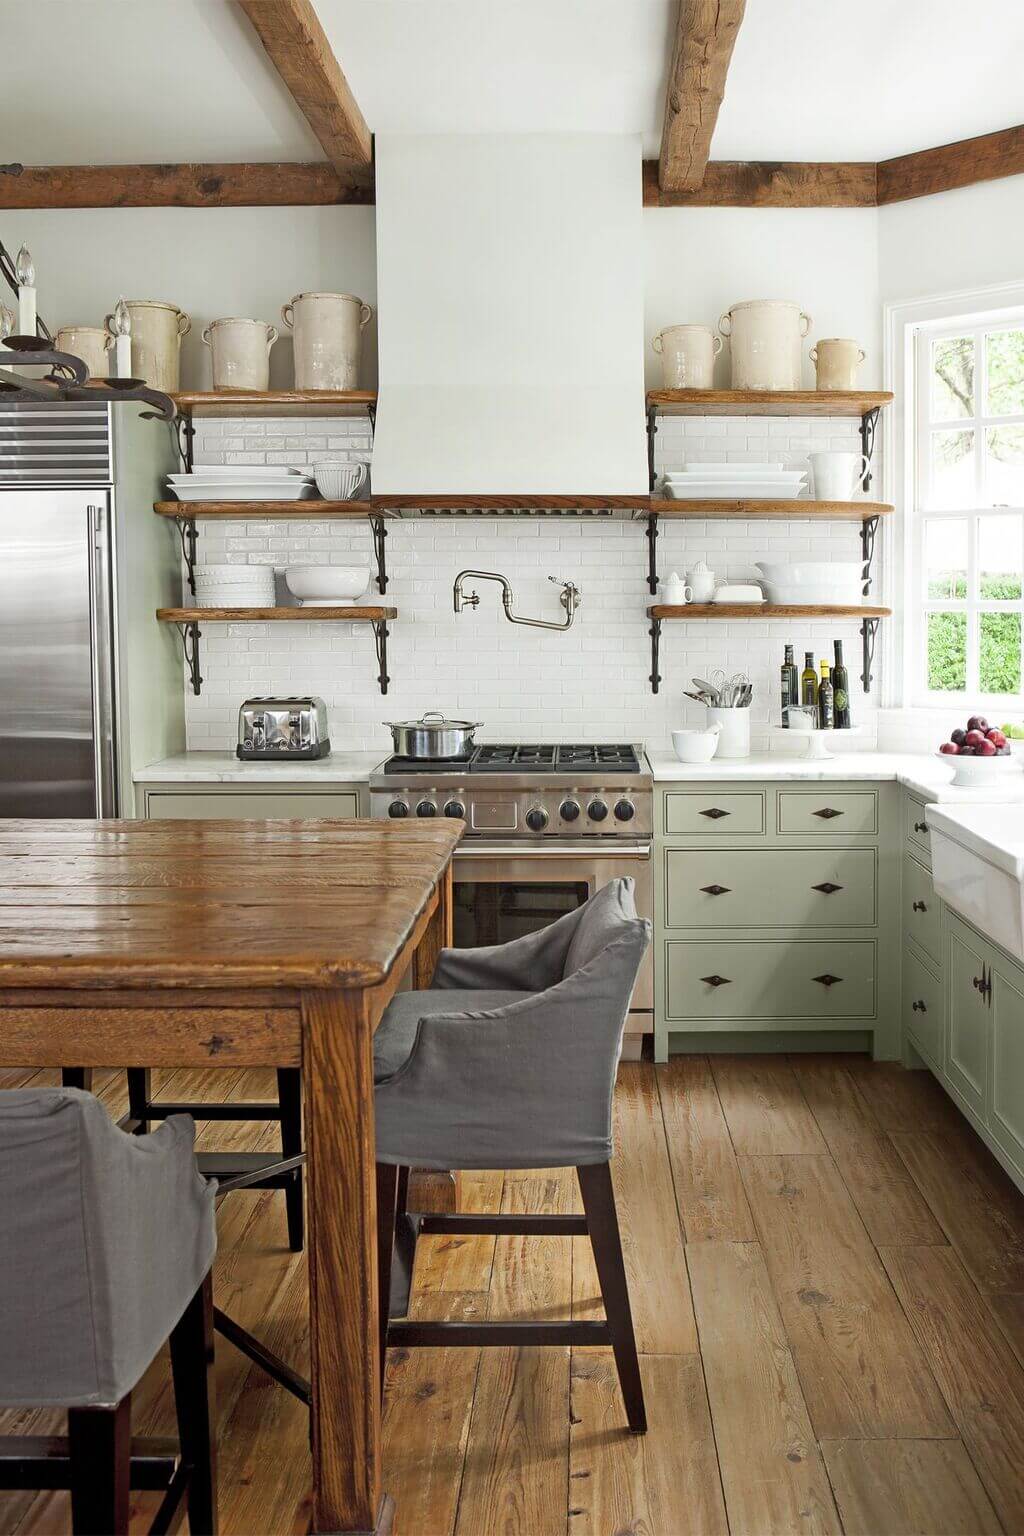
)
(869, 632)
(652, 552)
(190, 635)
(868, 428)
(185, 427)
(655, 654)
(380, 637)
(379, 533)
(188, 533)
(868, 534)
(652, 430)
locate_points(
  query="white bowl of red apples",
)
(976, 754)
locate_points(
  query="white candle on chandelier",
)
(121, 326)
(25, 272)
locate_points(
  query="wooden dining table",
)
(244, 944)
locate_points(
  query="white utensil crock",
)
(735, 738)
(837, 476)
(328, 331)
(240, 350)
(687, 355)
(89, 342)
(765, 338)
(157, 329)
(702, 583)
(836, 361)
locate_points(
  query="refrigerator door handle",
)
(101, 649)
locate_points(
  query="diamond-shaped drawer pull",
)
(716, 890)
(826, 813)
(715, 813)
(826, 887)
(716, 981)
(827, 980)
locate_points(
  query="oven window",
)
(493, 914)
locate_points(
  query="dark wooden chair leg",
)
(603, 1228)
(139, 1094)
(76, 1077)
(289, 1094)
(192, 1369)
(100, 1450)
(387, 1194)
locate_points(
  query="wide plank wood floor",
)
(827, 1279)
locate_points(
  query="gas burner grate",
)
(503, 757)
(527, 757)
(621, 758)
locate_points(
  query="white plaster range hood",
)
(511, 316)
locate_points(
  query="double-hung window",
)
(966, 512)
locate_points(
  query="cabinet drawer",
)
(770, 888)
(922, 919)
(769, 979)
(704, 814)
(922, 1007)
(822, 810)
(915, 832)
(255, 805)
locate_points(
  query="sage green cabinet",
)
(915, 830)
(921, 909)
(769, 979)
(924, 1006)
(761, 888)
(209, 803)
(1006, 999)
(968, 1014)
(709, 813)
(822, 811)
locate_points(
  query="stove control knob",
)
(536, 818)
(398, 809)
(455, 809)
(597, 810)
(426, 808)
(569, 810)
(625, 810)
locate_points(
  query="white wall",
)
(965, 239)
(211, 262)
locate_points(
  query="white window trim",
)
(899, 327)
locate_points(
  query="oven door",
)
(505, 890)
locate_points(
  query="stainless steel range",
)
(546, 826)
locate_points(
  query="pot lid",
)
(433, 721)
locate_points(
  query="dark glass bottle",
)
(790, 685)
(826, 708)
(841, 691)
(809, 681)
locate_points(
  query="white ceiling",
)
(169, 80)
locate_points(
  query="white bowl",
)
(339, 482)
(695, 746)
(231, 575)
(820, 573)
(782, 593)
(978, 772)
(324, 585)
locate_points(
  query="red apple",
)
(985, 749)
(974, 738)
(950, 748)
(996, 737)
(977, 723)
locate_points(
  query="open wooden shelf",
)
(248, 402)
(365, 615)
(767, 611)
(822, 511)
(765, 402)
(514, 501)
(312, 510)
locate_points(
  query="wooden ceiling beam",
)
(986, 158)
(299, 49)
(769, 184)
(181, 186)
(705, 35)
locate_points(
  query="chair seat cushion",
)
(396, 1033)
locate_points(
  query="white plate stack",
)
(735, 482)
(235, 586)
(243, 482)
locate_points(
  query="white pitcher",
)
(157, 329)
(328, 338)
(835, 476)
(89, 342)
(687, 355)
(241, 353)
(765, 336)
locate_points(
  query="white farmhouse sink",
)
(978, 867)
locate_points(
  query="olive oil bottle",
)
(809, 681)
(790, 685)
(826, 705)
(841, 691)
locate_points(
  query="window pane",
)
(947, 652)
(999, 559)
(952, 378)
(999, 652)
(1004, 467)
(945, 557)
(1004, 356)
(952, 476)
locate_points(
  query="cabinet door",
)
(921, 911)
(968, 1016)
(1006, 1121)
(922, 1007)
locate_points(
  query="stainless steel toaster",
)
(272, 729)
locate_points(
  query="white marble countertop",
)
(921, 773)
(225, 768)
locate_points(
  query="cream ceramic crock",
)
(156, 332)
(328, 331)
(240, 350)
(765, 336)
(688, 355)
(89, 342)
(836, 361)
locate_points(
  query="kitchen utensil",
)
(156, 332)
(240, 350)
(738, 592)
(433, 736)
(837, 476)
(324, 586)
(328, 331)
(696, 746)
(702, 582)
(687, 355)
(273, 729)
(735, 723)
(89, 342)
(836, 361)
(337, 481)
(765, 338)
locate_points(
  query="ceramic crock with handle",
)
(241, 353)
(156, 332)
(765, 336)
(836, 361)
(328, 330)
(688, 355)
(89, 342)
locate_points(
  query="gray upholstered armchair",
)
(509, 1061)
